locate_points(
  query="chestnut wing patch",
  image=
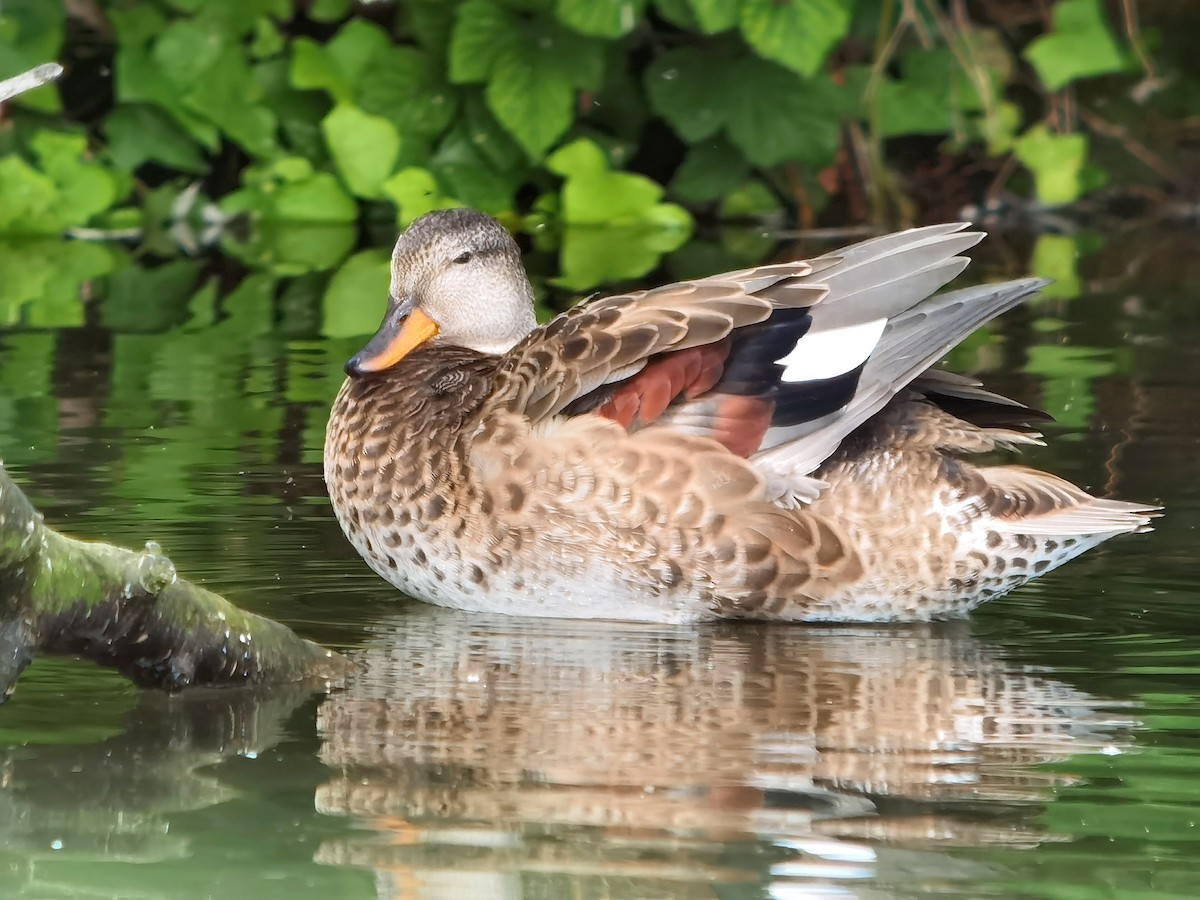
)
(730, 391)
(683, 375)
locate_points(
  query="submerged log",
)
(129, 611)
(124, 609)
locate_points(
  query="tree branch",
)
(129, 611)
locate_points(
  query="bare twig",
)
(908, 20)
(975, 68)
(1135, 147)
(1129, 17)
(27, 81)
(992, 195)
(957, 33)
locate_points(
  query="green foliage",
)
(364, 148)
(62, 191)
(771, 115)
(308, 121)
(354, 301)
(797, 33)
(1058, 163)
(43, 277)
(1080, 46)
(533, 67)
(615, 225)
(1056, 256)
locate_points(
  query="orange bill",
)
(398, 336)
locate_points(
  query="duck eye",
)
(463, 258)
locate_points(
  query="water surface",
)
(1048, 747)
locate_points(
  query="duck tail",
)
(1026, 501)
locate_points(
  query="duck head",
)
(457, 279)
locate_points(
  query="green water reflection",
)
(1050, 747)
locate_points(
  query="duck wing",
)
(909, 345)
(778, 361)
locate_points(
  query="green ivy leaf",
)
(228, 95)
(29, 199)
(593, 195)
(1080, 46)
(290, 249)
(1056, 161)
(312, 68)
(268, 39)
(571, 57)
(783, 118)
(139, 133)
(681, 85)
(66, 192)
(470, 177)
(716, 15)
(1001, 127)
(415, 192)
(288, 190)
(903, 107)
(602, 18)
(532, 101)
(1056, 256)
(678, 12)
(187, 50)
(236, 17)
(341, 66)
(770, 113)
(354, 301)
(532, 66)
(597, 254)
(329, 10)
(406, 87)
(1067, 373)
(354, 46)
(709, 171)
(431, 25)
(46, 277)
(318, 198)
(364, 148)
(616, 226)
(749, 200)
(149, 300)
(137, 25)
(933, 96)
(796, 33)
(139, 78)
(299, 112)
(482, 31)
(84, 189)
(489, 135)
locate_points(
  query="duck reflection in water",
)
(494, 758)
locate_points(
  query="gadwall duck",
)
(770, 443)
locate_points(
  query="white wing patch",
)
(824, 354)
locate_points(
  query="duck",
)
(774, 443)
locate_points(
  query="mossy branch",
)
(129, 611)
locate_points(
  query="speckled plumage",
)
(634, 459)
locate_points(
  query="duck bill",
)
(404, 329)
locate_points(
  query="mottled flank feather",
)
(771, 443)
